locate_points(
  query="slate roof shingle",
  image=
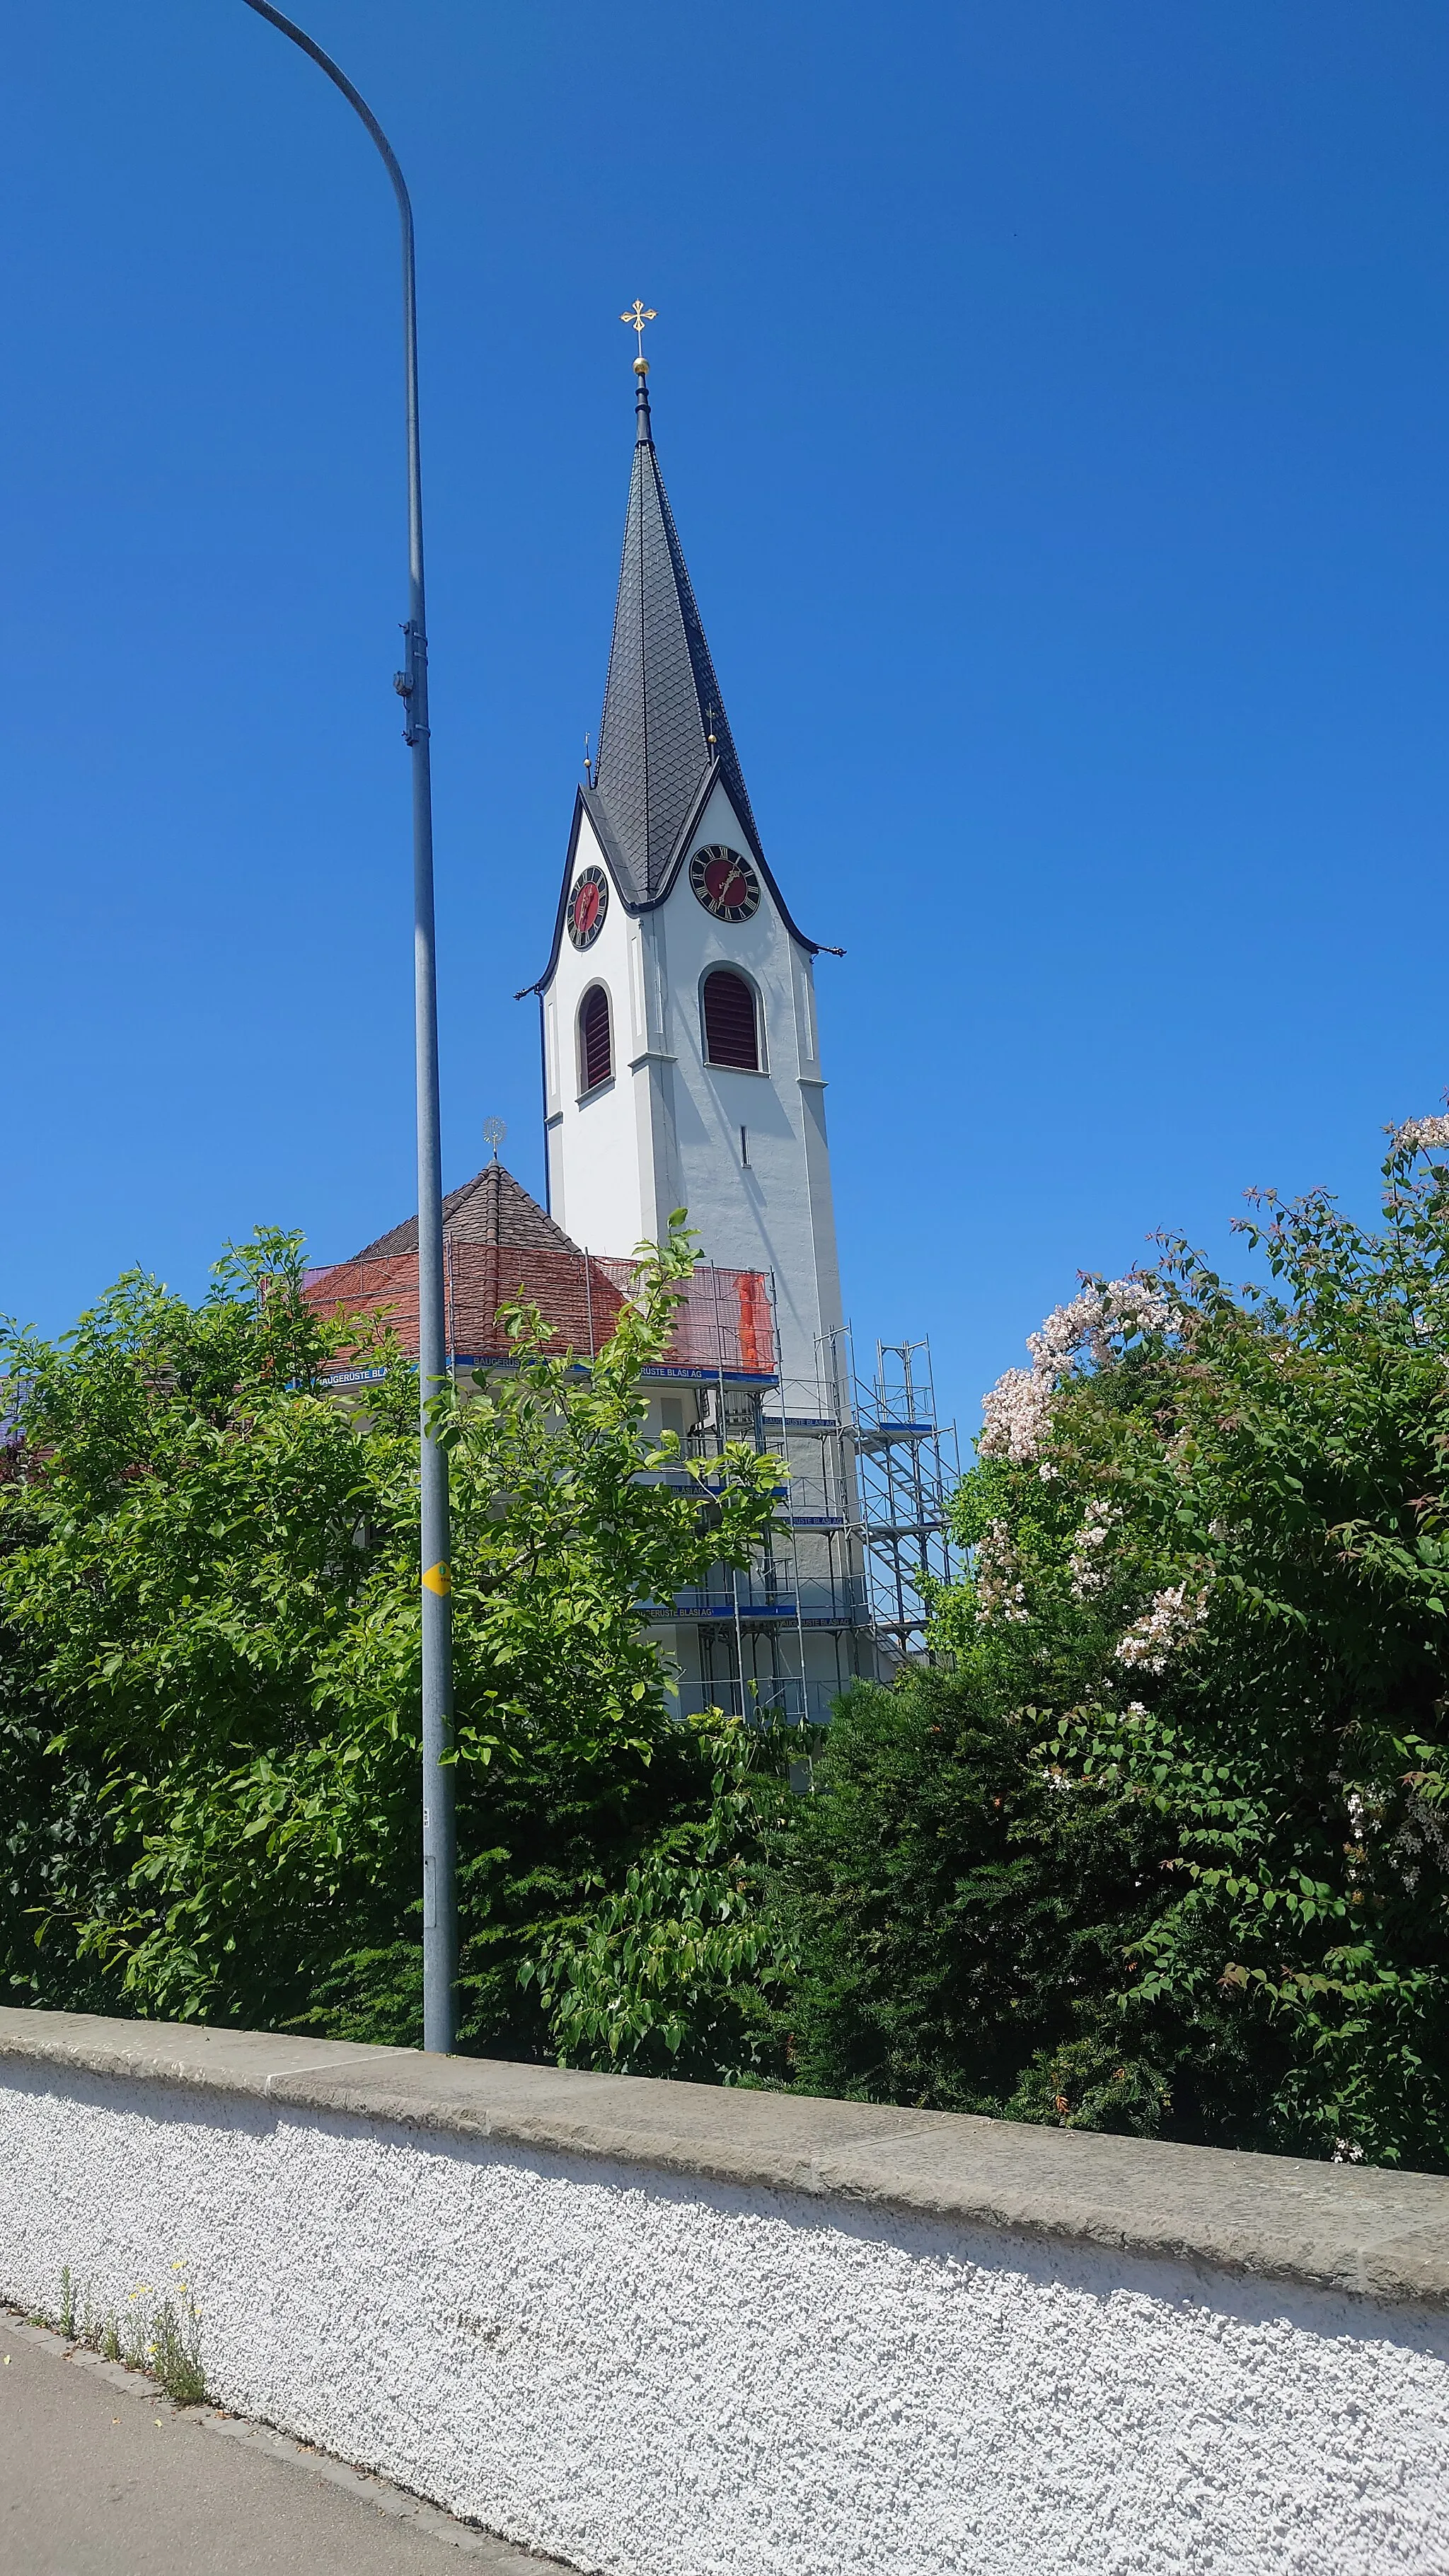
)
(662, 699)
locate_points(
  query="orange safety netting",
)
(723, 1322)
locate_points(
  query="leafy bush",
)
(209, 1580)
(950, 1901)
(1167, 1849)
(1160, 1845)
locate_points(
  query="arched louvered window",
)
(731, 1020)
(596, 1049)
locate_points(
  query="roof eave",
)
(714, 777)
(587, 802)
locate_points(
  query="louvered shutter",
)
(731, 1032)
(596, 1056)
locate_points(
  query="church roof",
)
(662, 702)
(491, 1208)
(664, 739)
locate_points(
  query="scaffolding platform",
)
(840, 1591)
(724, 1324)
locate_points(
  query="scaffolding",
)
(862, 1528)
(866, 1508)
(723, 1321)
(907, 1464)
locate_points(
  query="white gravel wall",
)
(642, 2371)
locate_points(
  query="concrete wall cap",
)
(1357, 2229)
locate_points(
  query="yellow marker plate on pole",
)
(439, 1579)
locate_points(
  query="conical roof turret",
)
(664, 726)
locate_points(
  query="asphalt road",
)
(99, 2476)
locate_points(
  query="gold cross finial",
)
(636, 321)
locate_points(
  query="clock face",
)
(587, 906)
(725, 882)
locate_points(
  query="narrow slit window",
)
(596, 1048)
(731, 1022)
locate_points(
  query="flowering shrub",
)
(1161, 1844)
(1421, 1135)
(1236, 1507)
(1086, 1566)
(1017, 1412)
(1167, 1622)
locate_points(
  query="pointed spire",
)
(664, 723)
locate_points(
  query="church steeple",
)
(664, 727)
(681, 1046)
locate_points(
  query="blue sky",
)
(1053, 401)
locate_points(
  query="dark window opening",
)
(731, 1029)
(596, 1053)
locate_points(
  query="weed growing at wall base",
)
(158, 2333)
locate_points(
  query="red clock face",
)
(725, 882)
(587, 906)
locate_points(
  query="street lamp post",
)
(439, 1893)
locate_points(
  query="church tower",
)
(682, 1069)
(681, 1046)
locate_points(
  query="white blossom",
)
(1017, 1411)
(1000, 1591)
(1086, 1570)
(1014, 1416)
(1422, 1134)
(1067, 1328)
(1171, 1618)
(1136, 1306)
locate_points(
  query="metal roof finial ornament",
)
(494, 1132)
(636, 321)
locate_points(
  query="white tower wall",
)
(745, 1153)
